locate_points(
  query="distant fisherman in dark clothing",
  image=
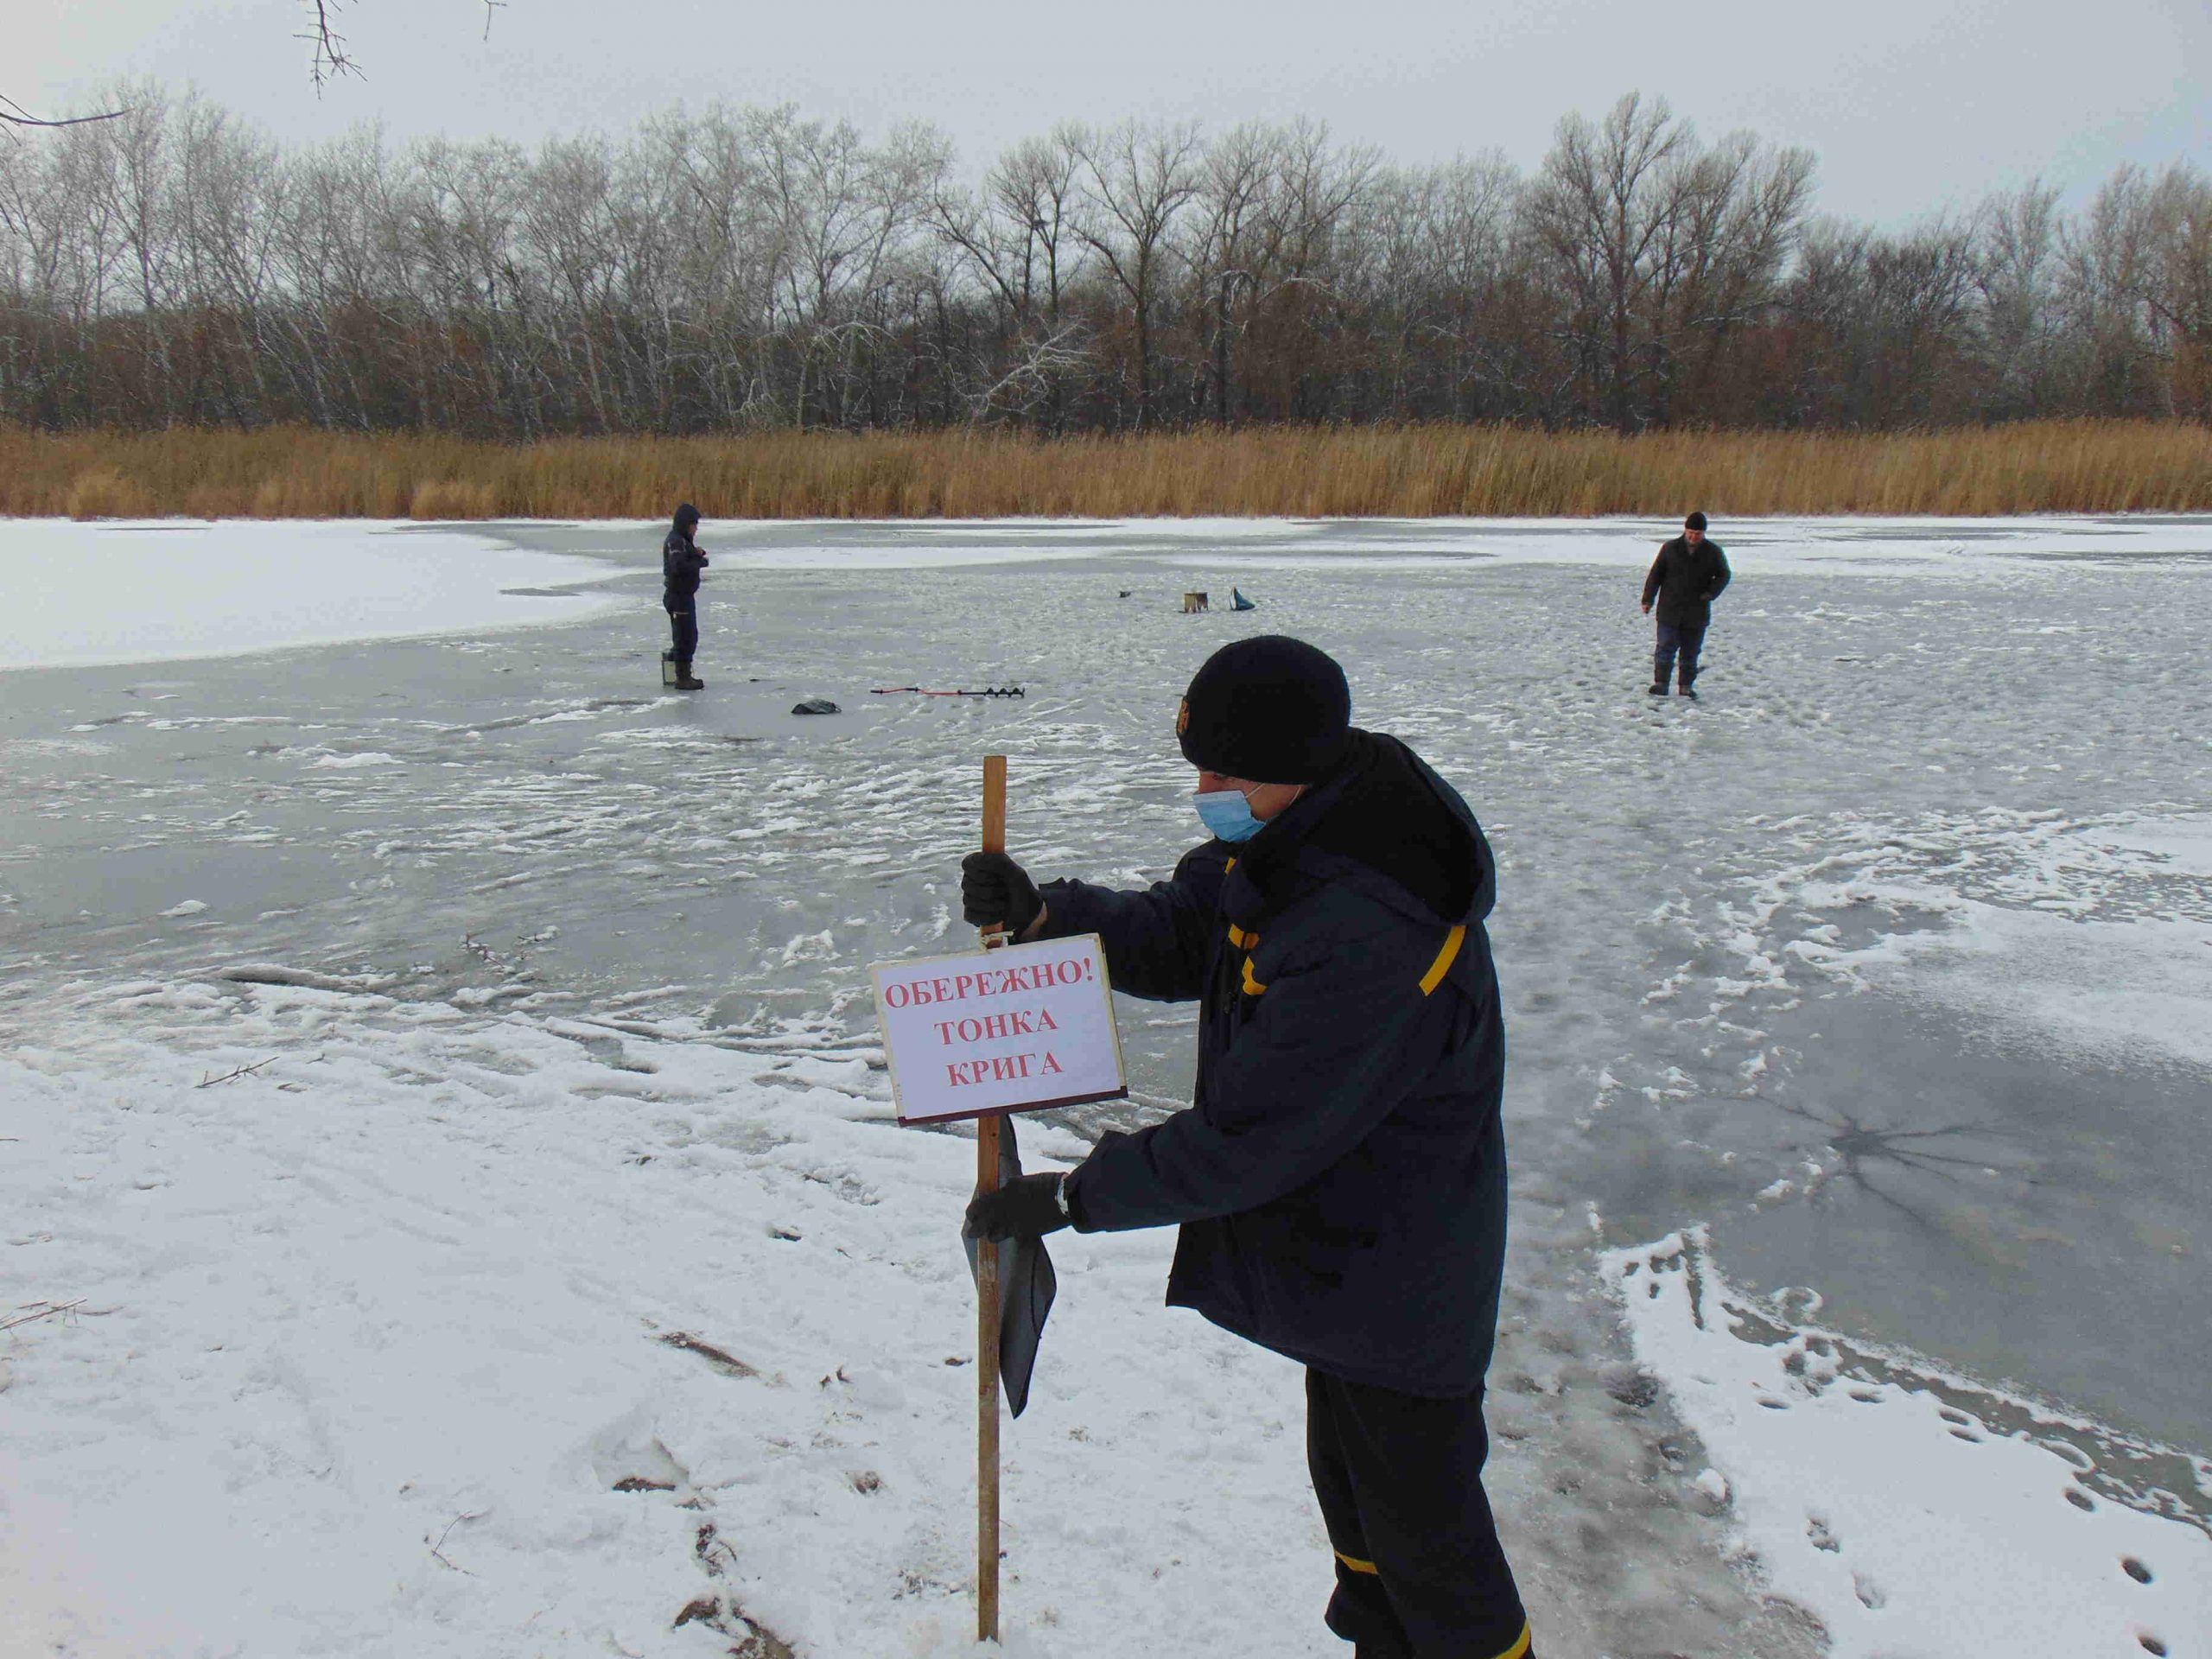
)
(681, 562)
(1686, 578)
(1339, 1178)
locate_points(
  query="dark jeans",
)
(1419, 1572)
(1689, 641)
(684, 619)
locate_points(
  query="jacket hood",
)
(1387, 813)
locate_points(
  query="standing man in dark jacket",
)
(681, 562)
(1686, 578)
(1340, 1179)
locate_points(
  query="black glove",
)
(994, 889)
(1029, 1206)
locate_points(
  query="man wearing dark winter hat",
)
(1686, 578)
(681, 562)
(1340, 1179)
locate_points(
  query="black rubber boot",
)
(1658, 690)
(684, 682)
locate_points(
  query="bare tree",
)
(1017, 237)
(2178, 295)
(1137, 179)
(1453, 323)
(1603, 209)
(1887, 324)
(1271, 203)
(728, 267)
(2016, 276)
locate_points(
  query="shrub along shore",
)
(2077, 466)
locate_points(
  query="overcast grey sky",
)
(1911, 105)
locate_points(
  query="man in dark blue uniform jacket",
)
(1340, 1179)
(681, 562)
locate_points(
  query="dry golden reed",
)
(1415, 471)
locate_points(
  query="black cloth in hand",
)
(1026, 1286)
(994, 889)
(1029, 1206)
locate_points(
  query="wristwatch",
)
(1060, 1194)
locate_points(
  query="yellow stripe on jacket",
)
(1445, 958)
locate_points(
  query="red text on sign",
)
(1022, 1022)
(1003, 1068)
(995, 981)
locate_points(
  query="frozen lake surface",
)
(167, 590)
(1867, 1001)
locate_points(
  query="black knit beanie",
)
(1695, 521)
(686, 516)
(1272, 710)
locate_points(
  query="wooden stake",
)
(987, 1285)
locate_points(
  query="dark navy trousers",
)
(1687, 641)
(683, 618)
(1420, 1573)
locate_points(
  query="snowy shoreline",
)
(1950, 1518)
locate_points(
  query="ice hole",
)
(2135, 1569)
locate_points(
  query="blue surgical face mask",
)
(1227, 814)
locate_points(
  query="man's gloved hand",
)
(1029, 1206)
(995, 889)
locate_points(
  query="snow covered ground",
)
(550, 1268)
(1949, 1518)
(167, 590)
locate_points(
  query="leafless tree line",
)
(750, 268)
